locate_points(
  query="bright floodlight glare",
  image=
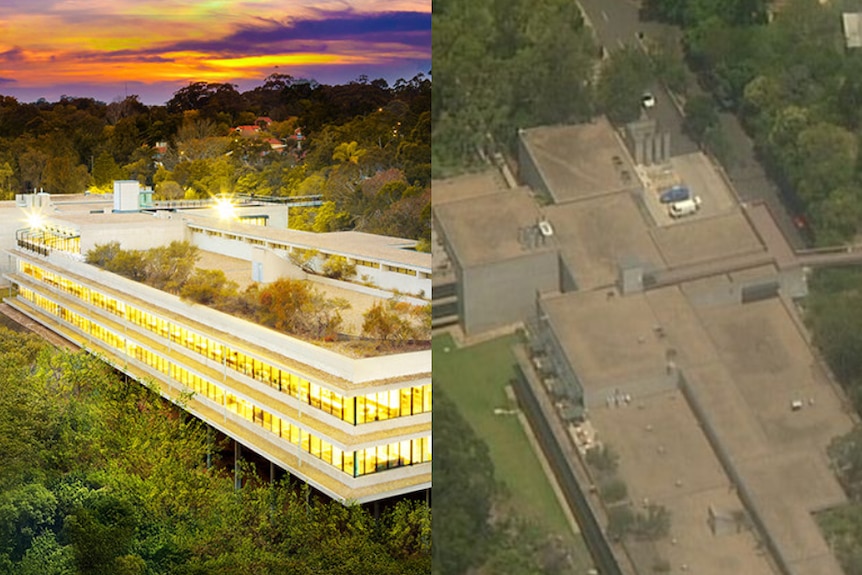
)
(35, 221)
(225, 209)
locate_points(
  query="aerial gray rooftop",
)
(467, 186)
(580, 161)
(488, 228)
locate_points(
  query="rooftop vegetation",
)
(293, 307)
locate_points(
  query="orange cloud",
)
(94, 42)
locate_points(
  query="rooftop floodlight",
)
(226, 209)
(35, 221)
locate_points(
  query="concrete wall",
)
(231, 248)
(389, 280)
(134, 237)
(528, 172)
(503, 293)
(11, 219)
(277, 214)
(379, 293)
(268, 266)
(126, 194)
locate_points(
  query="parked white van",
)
(684, 207)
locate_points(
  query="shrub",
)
(613, 490)
(337, 267)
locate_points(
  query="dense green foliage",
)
(796, 89)
(463, 486)
(100, 475)
(476, 526)
(502, 65)
(302, 138)
(834, 315)
(843, 529)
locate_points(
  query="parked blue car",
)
(675, 194)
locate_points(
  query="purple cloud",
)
(337, 25)
(16, 54)
(305, 34)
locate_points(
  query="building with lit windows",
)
(357, 429)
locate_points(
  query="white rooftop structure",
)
(852, 29)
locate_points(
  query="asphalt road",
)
(617, 23)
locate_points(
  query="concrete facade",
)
(514, 284)
(495, 246)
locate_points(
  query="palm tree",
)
(348, 153)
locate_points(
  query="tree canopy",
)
(503, 65)
(285, 137)
(833, 313)
(102, 476)
(796, 89)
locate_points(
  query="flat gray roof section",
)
(580, 161)
(486, 229)
(700, 240)
(610, 341)
(598, 234)
(85, 220)
(466, 186)
(746, 363)
(665, 458)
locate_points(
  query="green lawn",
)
(475, 379)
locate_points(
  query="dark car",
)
(675, 194)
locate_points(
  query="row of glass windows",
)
(366, 263)
(255, 221)
(400, 270)
(354, 463)
(54, 238)
(366, 408)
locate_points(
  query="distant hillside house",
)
(247, 131)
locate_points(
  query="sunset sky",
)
(107, 49)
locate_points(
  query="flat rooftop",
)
(580, 161)
(744, 364)
(598, 234)
(83, 219)
(666, 459)
(700, 240)
(76, 211)
(467, 186)
(485, 229)
(609, 340)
